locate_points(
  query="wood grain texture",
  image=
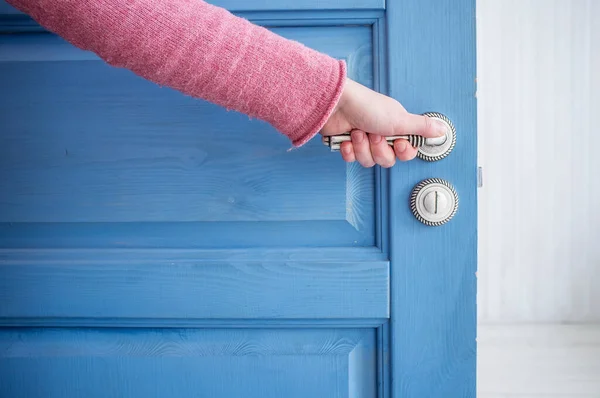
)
(359, 185)
(117, 149)
(179, 285)
(206, 235)
(538, 96)
(187, 363)
(539, 361)
(433, 284)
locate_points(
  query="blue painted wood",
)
(155, 285)
(187, 363)
(380, 75)
(242, 274)
(117, 149)
(197, 235)
(178, 323)
(433, 291)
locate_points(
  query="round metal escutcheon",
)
(433, 153)
(434, 202)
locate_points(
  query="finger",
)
(360, 143)
(404, 151)
(421, 125)
(382, 153)
(347, 152)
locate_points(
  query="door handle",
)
(429, 149)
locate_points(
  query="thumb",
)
(426, 126)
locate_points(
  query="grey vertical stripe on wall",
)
(539, 144)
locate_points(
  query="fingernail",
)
(440, 128)
(358, 136)
(401, 145)
(346, 150)
(375, 138)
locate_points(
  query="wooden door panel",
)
(188, 363)
(142, 286)
(92, 151)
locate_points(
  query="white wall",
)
(539, 208)
(539, 145)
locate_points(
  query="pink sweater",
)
(206, 52)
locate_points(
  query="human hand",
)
(370, 116)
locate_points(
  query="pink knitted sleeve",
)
(206, 52)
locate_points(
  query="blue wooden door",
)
(153, 245)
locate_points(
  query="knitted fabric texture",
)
(206, 52)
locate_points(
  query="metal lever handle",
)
(429, 149)
(335, 141)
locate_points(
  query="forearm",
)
(205, 52)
